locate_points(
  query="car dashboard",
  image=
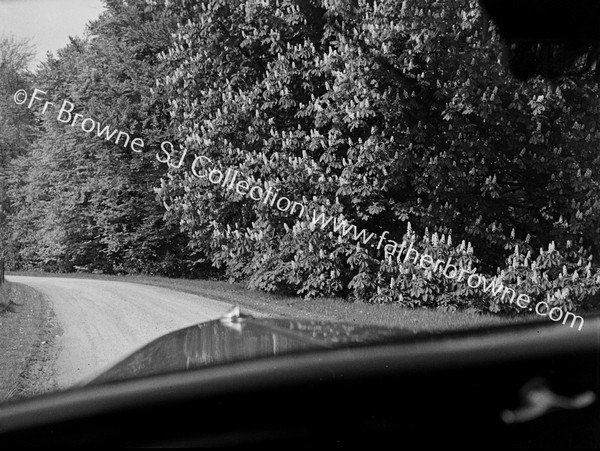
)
(535, 385)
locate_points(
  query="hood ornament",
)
(232, 319)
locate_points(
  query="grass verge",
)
(27, 332)
(328, 309)
(5, 298)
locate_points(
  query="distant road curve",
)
(103, 321)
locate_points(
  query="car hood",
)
(235, 338)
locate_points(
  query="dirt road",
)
(103, 321)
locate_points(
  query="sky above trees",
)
(49, 23)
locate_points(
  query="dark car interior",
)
(518, 386)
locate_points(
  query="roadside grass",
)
(24, 340)
(5, 296)
(328, 309)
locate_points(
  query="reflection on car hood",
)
(235, 338)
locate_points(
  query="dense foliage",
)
(383, 112)
(86, 202)
(17, 126)
(398, 116)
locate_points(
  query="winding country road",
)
(103, 321)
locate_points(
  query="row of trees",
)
(79, 201)
(17, 126)
(397, 116)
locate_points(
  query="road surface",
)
(103, 321)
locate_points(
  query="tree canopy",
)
(399, 117)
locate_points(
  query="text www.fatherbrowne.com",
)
(229, 181)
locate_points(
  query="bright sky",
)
(48, 22)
